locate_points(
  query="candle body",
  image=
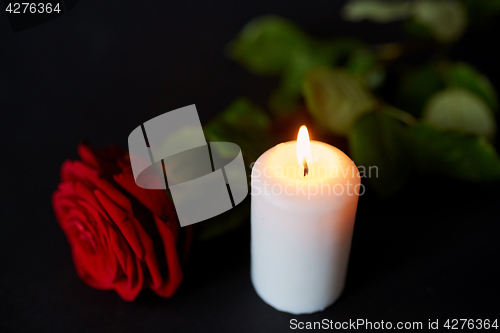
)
(301, 227)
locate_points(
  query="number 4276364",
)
(32, 7)
(455, 324)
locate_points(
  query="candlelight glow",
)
(304, 156)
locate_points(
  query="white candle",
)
(304, 199)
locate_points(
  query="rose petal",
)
(122, 221)
(150, 255)
(154, 200)
(172, 282)
(131, 284)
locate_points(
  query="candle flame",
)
(304, 156)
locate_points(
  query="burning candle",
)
(304, 200)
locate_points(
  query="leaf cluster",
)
(436, 117)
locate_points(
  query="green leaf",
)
(304, 59)
(417, 87)
(415, 28)
(463, 75)
(380, 140)
(362, 63)
(285, 99)
(335, 98)
(447, 20)
(457, 108)
(244, 115)
(245, 124)
(452, 153)
(400, 115)
(376, 10)
(266, 43)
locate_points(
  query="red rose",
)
(122, 237)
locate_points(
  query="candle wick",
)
(306, 167)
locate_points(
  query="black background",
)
(104, 67)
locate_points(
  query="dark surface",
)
(98, 71)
